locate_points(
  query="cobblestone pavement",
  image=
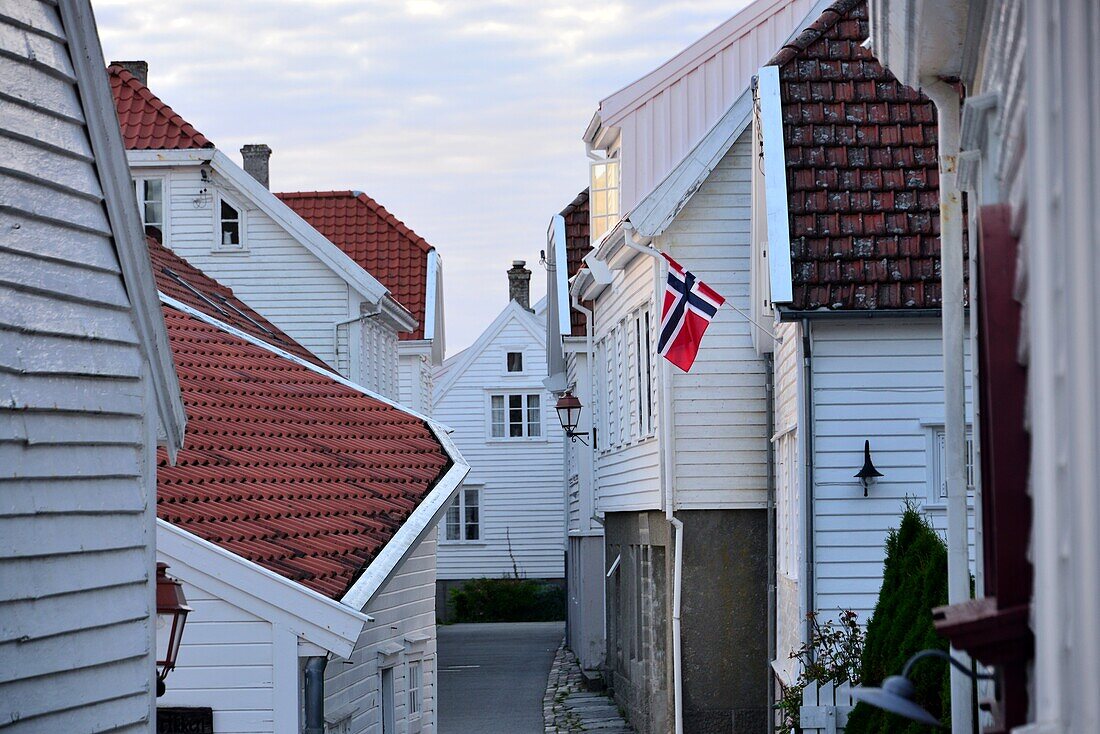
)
(568, 707)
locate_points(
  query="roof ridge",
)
(829, 17)
(159, 106)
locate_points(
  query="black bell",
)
(868, 472)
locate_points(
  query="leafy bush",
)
(508, 600)
(831, 656)
(914, 581)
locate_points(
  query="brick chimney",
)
(140, 69)
(519, 284)
(257, 157)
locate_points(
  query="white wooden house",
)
(1026, 132)
(681, 460)
(846, 270)
(224, 220)
(509, 518)
(306, 546)
(89, 391)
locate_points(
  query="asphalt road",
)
(492, 676)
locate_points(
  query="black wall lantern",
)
(569, 413)
(868, 473)
(172, 612)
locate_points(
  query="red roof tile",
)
(577, 245)
(184, 282)
(862, 173)
(374, 238)
(286, 466)
(146, 122)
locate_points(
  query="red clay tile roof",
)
(379, 242)
(285, 466)
(146, 122)
(577, 245)
(862, 176)
(184, 282)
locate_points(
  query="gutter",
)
(853, 315)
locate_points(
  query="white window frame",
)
(242, 224)
(139, 194)
(643, 400)
(414, 694)
(935, 455)
(460, 502)
(522, 361)
(382, 670)
(526, 395)
(605, 218)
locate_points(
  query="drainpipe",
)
(769, 371)
(946, 98)
(666, 438)
(315, 694)
(589, 507)
(807, 445)
(336, 341)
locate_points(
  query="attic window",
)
(515, 361)
(150, 196)
(232, 227)
(603, 199)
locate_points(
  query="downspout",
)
(666, 436)
(336, 341)
(769, 371)
(589, 510)
(807, 432)
(315, 694)
(946, 98)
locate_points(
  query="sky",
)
(462, 117)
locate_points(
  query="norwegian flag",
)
(690, 304)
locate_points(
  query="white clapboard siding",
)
(377, 363)
(521, 498)
(880, 381)
(720, 407)
(274, 274)
(76, 433)
(404, 621)
(226, 662)
(627, 475)
(415, 375)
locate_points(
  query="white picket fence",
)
(825, 708)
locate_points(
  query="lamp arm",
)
(933, 653)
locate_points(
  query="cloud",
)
(463, 117)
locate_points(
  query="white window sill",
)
(463, 543)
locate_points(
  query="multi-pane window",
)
(939, 465)
(515, 361)
(464, 516)
(642, 369)
(231, 225)
(150, 197)
(518, 415)
(603, 200)
(415, 694)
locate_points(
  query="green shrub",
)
(508, 600)
(914, 581)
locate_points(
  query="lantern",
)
(172, 612)
(569, 414)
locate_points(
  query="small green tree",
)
(914, 580)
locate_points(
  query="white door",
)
(387, 701)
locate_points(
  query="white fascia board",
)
(556, 235)
(332, 256)
(656, 211)
(775, 186)
(457, 365)
(105, 137)
(313, 617)
(423, 519)
(430, 294)
(592, 130)
(414, 347)
(169, 158)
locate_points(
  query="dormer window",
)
(603, 200)
(232, 226)
(515, 361)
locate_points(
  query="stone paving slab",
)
(568, 707)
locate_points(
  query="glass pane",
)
(534, 416)
(515, 361)
(231, 233)
(599, 176)
(154, 214)
(613, 174)
(228, 212)
(471, 497)
(154, 189)
(453, 524)
(497, 418)
(599, 203)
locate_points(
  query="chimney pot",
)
(519, 284)
(257, 159)
(139, 68)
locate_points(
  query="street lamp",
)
(569, 414)
(896, 694)
(172, 612)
